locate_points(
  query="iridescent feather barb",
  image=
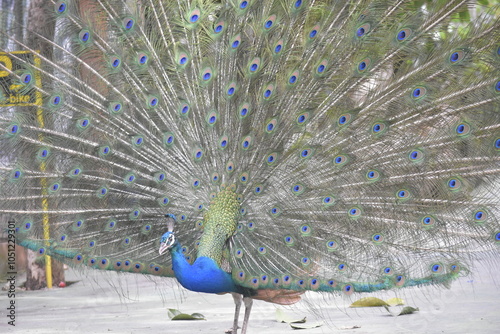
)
(296, 145)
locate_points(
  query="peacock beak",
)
(163, 248)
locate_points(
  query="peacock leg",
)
(248, 307)
(237, 302)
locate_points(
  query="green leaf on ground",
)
(406, 310)
(174, 314)
(306, 326)
(369, 302)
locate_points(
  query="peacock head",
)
(167, 240)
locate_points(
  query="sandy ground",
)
(135, 304)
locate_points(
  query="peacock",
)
(258, 148)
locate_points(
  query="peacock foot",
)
(232, 331)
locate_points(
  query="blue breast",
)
(204, 275)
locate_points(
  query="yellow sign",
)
(11, 90)
(14, 94)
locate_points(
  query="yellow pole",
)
(43, 181)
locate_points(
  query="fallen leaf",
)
(408, 310)
(306, 326)
(174, 314)
(369, 302)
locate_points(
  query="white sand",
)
(94, 306)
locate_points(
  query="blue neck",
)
(204, 275)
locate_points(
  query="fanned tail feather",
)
(362, 138)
